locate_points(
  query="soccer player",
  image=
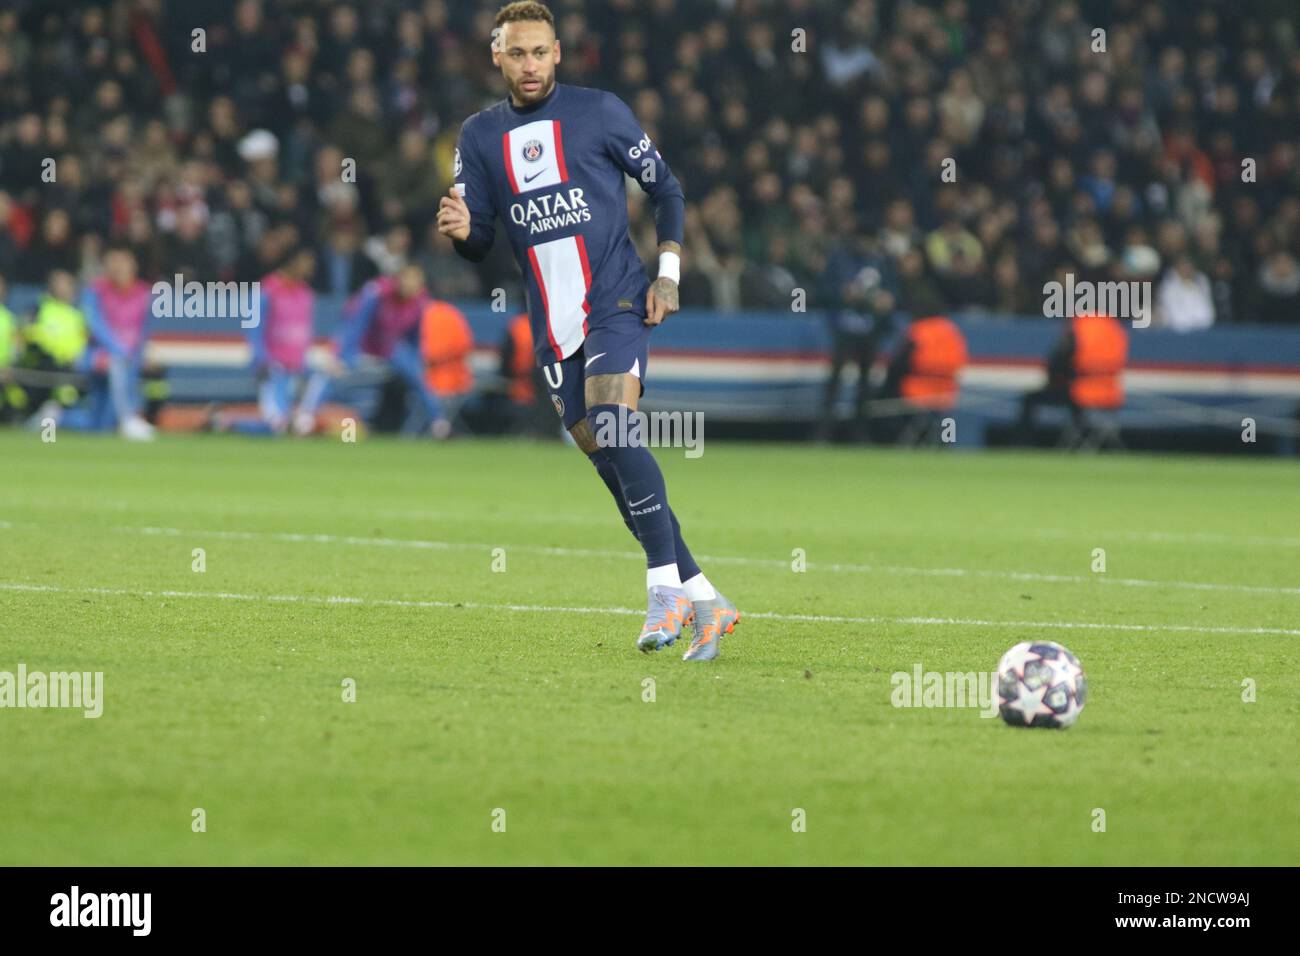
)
(550, 161)
(116, 307)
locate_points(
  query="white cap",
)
(259, 144)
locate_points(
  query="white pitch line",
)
(306, 538)
(528, 517)
(1175, 537)
(555, 551)
(336, 600)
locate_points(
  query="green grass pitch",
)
(521, 690)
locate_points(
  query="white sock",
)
(698, 588)
(664, 576)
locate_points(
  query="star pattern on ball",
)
(1063, 672)
(1071, 713)
(1015, 659)
(1030, 703)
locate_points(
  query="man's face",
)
(63, 286)
(304, 266)
(120, 267)
(527, 53)
(410, 282)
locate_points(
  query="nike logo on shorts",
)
(593, 358)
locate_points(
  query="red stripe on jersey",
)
(546, 305)
(586, 267)
(510, 165)
(559, 153)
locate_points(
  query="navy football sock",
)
(605, 468)
(686, 565)
(641, 482)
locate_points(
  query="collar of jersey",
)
(534, 107)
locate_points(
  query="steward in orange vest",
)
(517, 365)
(931, 357)
(1097, 362)
(1084, 371)
(445, 345)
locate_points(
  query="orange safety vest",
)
(1100, 351)
(938, 356)
(445, 345)
(520, 373)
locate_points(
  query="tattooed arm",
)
(662, 300)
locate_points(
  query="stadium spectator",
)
(1184, 301)
(342, 268)
(1279, 288)
(1061, 152)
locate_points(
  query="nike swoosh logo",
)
(592, 359)
(633, 504)
(529, 179)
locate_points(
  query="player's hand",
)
(661, 301)
(453, 216)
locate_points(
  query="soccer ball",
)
(1040, 684)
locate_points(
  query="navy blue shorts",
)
(618, 346)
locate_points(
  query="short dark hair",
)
(525, 10)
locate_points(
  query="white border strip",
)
(333, 600)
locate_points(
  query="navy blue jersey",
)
(554, 174)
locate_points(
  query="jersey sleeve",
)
(474, 185)
(257, 333)
(99, 329)
(629, 146)
(358, 315)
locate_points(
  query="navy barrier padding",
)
(760, 366)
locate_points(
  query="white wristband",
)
(670, 266)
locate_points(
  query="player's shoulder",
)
(483, 119)
(586, 95)
(592, 101)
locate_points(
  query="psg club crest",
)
(533, 150)
(559, 405)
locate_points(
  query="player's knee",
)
(584, 437)
(615, 428)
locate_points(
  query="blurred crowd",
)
(861, 155)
